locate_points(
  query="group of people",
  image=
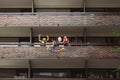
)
(59, 41)
(64, 41)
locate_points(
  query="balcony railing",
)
(55, 79)
(59, 19)
(34, 51)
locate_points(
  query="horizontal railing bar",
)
(64, 13)
(51, 43)
(54, 79)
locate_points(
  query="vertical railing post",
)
(29, 69)
(32, 6)
(86, 69)
(31, 34)
(84, 5)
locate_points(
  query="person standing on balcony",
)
(43, 41)
(59, 40)
(65, 41)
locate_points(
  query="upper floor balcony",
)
(59, 19)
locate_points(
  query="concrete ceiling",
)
(103, 3)
(57, 31)
(14, 32)
(59, 3)
(59, 63)
(15, 3)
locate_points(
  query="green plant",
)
(116, 69)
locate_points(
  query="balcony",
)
(56, 79)
(62, 19)
(37, 51)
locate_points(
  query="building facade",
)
(29, 46)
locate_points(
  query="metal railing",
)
(56, 79)
(53, 19)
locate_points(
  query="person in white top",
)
(59, 39)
